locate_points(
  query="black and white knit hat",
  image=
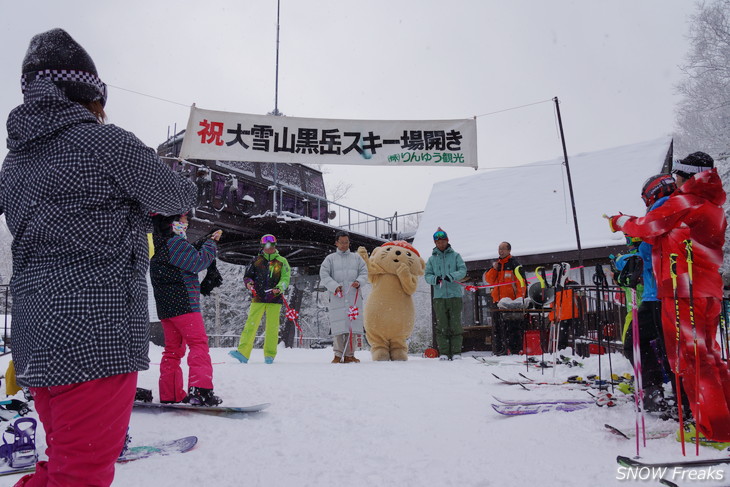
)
(56, 56)
(693, 164)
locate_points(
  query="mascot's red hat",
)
(404, 244)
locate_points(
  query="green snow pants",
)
(271, 336)
(449, 332)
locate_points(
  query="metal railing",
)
(342, 216)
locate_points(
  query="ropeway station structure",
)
(248, 199)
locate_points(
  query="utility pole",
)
(570, 189)
(276, 111)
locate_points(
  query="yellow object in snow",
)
(151, 245)
(11, 387)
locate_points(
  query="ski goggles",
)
(440, 235)
(68, 75)
(268, 239)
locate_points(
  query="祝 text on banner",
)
(227, 136)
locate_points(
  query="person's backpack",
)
(630, 275)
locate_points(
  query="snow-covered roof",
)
(529, 205)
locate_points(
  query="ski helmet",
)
(268, 241)
(657, 187)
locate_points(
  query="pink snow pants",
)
(85, 425)
(714, 385)
(187, 329)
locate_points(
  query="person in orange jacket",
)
(505, 285)
(502, 275)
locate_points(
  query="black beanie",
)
(693, 164)
(162, 224)
(55, 55)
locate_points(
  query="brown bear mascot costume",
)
(393, 270)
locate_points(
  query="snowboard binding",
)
(21, 452)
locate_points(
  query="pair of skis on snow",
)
(510, 407)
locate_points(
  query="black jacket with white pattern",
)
(76, 195)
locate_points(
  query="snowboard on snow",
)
(180, 445)
(525, 409)
(202, 409)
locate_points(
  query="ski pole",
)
(521, 279)
(638, 382)
(597, 282)
(688, 248)
(722, 331)
(677, 378)
(557, 278)
(540, 275)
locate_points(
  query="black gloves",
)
(440, 279)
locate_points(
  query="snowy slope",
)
(423, 422)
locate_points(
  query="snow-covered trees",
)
(703, 115)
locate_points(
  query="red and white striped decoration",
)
(353, 312)
(292, 314)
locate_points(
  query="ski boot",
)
(690, 436)
(143, 395)
(21, 452)
(654, 399)
(238, 356)
(199, 396)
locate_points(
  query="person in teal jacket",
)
(443, 269)
(267, 277)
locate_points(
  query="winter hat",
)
(693, 164)
(56, 56)
(402, 243)
(440, 235)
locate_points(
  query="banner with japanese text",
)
(227, 136)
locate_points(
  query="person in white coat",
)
(342, 273)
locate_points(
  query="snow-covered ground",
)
(416, 423)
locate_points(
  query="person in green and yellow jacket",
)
(267, 277)
(443, 269)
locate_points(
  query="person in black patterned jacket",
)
(76, 194)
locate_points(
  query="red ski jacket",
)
(693, 212)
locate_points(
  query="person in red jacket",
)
(693, 213)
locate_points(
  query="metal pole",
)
(276, 89)
(217, 342)
(570, 188)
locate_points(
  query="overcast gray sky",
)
(613, 64)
